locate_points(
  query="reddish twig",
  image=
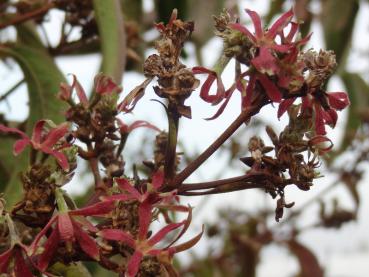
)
(242, 118)
(24, 17)
(229, 187)
(212, 184)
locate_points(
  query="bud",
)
(221, 22)
(256, 146)
(255, 143)
(321, 65)
(65, 92)
(105, 85)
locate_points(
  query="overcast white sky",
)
(342, 253)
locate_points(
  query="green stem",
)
(33, 156)
(14, 238)
(113, 38)
(221, 64)
(60, 201)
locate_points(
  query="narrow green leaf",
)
(338, 19)
(132, 10)
(164, 9)
(358, 91)
(110, 23)
(43, 78)
(202, 16)
(309, 264)
(73, 270)
(304, 16)
(275, 7)
(96, 270)
(7, 162)
(27, 35)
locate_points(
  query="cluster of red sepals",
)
(274, 67)
(70, 227)
(277, 68)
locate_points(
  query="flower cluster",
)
(94, 132)
(278, 71)
(113, 227)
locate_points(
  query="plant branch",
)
(24, 17)
(229, 187)
(11, 90)
(212, 184)
(221, 64)
(170, 155)
(95, 171)
(242, 118)
(94, 165)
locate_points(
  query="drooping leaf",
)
(358, 91)
(76, 269)
(132, 10)
(112, 35)
(202, 16)
(27, 35)
(351, 181)
(309, 264)
(338, 19)
(43, 78)
(7, 161)
(96, 270)
(275, 7)
(303, 15)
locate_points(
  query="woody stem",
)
(60, 201)
(212, 184)
(24, 17)
(170, 155)
(242, 118)
(225, 188)
(219, 67)
(94, 165)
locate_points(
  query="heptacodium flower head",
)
(15, 261)
(264, 41)
(125, 129)
(270, 67)
(151, 192)
(266, 52)
(271, 55)
(66, 91)
(204, 92)
(69, 228)
(105, 85)
(144, 245)
(146, 198)
(278, 70)
(41, 140)
(321, 105)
